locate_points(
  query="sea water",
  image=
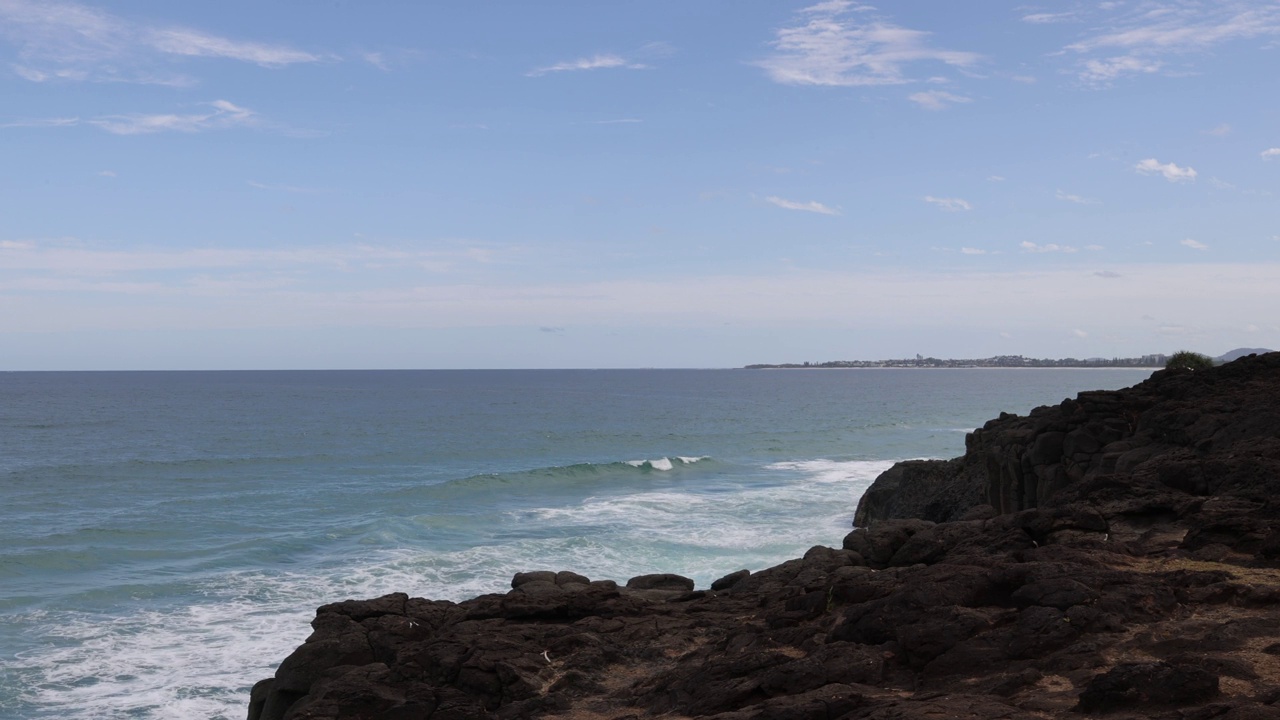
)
(166, 537)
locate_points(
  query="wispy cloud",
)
(595, 62)
(74, 258)
(949, 204)
(841, 43)
(1169, 171)
(219, 115)
(192, 43)
(1028, 246)
(1046, 18)
(70, 41)
(297, 189)
(1221, 130)
(223, 115)
(1136, 38)
(1108, 69)
(937, 99)
(1270, 153)
(972, 251)
(1194, 244)
(812, 206)
(1068, 197)
(42, 123)
(305, 295)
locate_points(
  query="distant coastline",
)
(1156, 360)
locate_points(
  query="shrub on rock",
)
(1187, 360)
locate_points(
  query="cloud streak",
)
(973, 300)
(937, 99)
(835, 44)
(73, 42)
(812, 206)
(1079, 200)
(222, 114)
(1030, 247)
(949, 204)
(595, 62)
(1140, 38)
(70, 258)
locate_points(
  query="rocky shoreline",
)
(1118, 554)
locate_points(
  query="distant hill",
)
(1239, 353)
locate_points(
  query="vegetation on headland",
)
(1156, 360)
(1187, 360)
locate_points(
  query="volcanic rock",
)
(1117, 554)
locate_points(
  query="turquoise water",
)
(166, 537)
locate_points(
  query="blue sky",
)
(663, 184)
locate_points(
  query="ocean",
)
(165, 537)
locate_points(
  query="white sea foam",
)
(663, 464)
(199, 660)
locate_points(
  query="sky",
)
(394, 184)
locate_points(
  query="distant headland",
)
(1154, 360)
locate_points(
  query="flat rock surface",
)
(1115, 555)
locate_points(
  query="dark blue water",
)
(165, 537)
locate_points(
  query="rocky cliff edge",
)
(1115, 555)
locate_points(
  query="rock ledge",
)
(1116, 554)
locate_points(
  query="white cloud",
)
(1068, 197)
(972, 251)
(1171, 172)
(1194, 245)
(1185, 26)
(596, 62)
(1146, 32)
(48, 122)
(948, 204)
(71, 258)
(937, 99)
(192, 43)
(833, 44)
(107, 173)
(71, 41)
(223, 115)
(1045, 18)
(1221, 130)
(811, 206)
(1028, 246)
(1270, 153)
(1106, 70)
(1080, 333)
(298, 290)
(995, 178)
